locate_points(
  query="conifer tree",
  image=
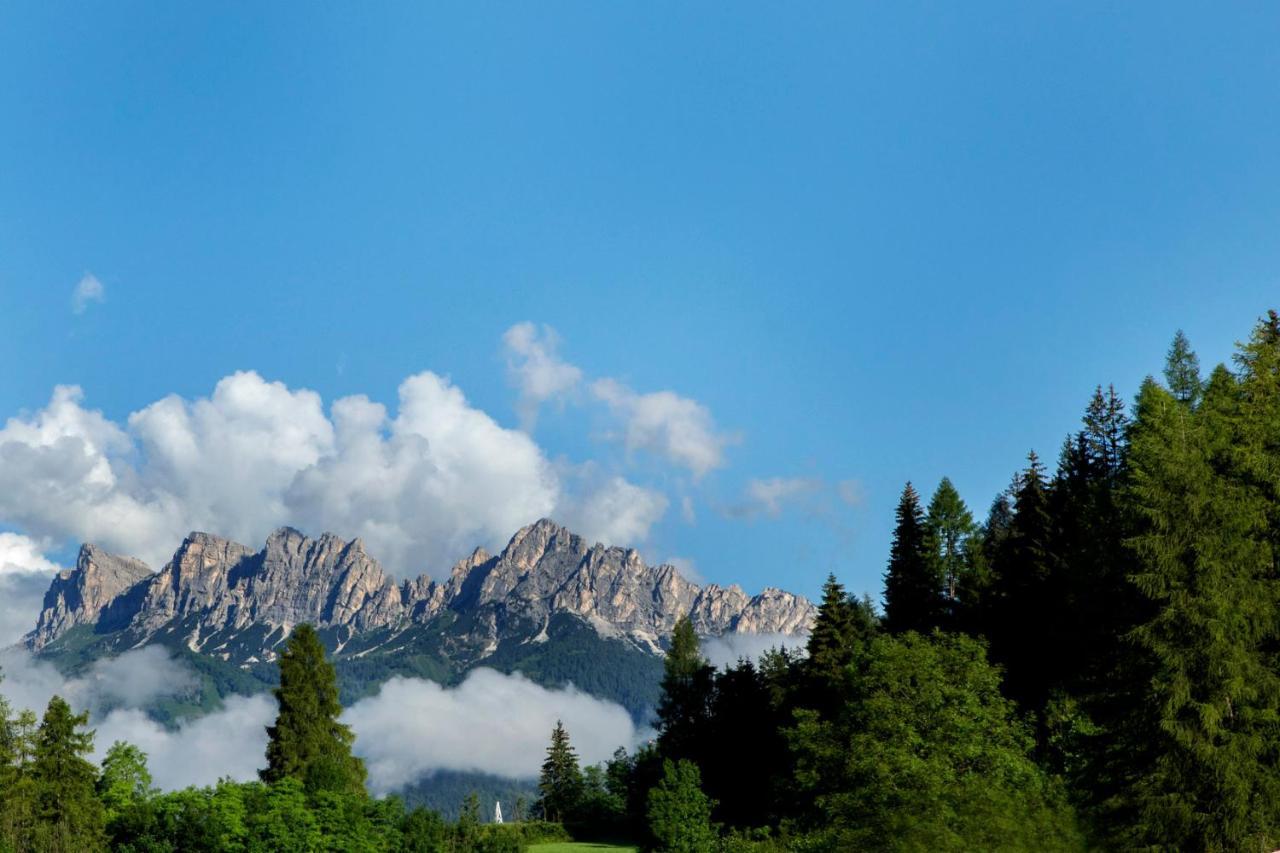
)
(1201, 742)
(560, 784)
(18, 814)
(1105, 424)
(307, 742)
(68, 812)
(948, 526)
(841, 626)
(687, 685)
(1182, 371)
(1024, 626)
(912, 585)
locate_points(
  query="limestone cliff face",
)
(213, 586)
(82, 595)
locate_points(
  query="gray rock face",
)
(213, 585)
(80, 596)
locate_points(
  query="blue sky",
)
(858, 243)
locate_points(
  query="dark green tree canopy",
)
(561, 784)
(913, 594)
(68, 811)
(687, 684)
(948, 528)
(307, 742)
(1182, 371)
(679, 813)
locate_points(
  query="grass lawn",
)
(579, 847)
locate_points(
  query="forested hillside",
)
(1095, 665)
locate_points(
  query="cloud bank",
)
(728, 649)
(490, 723)
(421, 485)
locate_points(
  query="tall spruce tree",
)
(1182, 371)
(1105, 425)
(912, 584)
(948, 527)
(18, 802)
(976, 593)
(560, 784)
(1024, 626)
(687, 687)
(307, 742)
(1199, 768)
(68, 813)
(842, 624)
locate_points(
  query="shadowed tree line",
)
(1096, 664)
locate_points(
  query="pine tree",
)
(1201, 747)
(1105, 424)
(307, 742)
(841, 625)
(560, 784)
(69, 814)
(18, 814)
(976, 591)
(912, 585)
(948, 527)
(1025, 627)
(1182, 371)
(687, 685)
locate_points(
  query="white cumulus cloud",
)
(88, 290)
(536, 369)
(676, 428)
(490, 723)
(614, 511)
(422, 486)
(25, 574)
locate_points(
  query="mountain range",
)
(549, 605)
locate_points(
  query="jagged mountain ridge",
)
(214, 592)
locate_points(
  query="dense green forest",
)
(1096, 665)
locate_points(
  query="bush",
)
(679, 813)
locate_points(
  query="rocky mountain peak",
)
(214, 587)
(81, 595)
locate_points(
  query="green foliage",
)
(1182, 371)
(913, 583)
(687, 684)
(307, 742)
(948, 529)
(560, 784)
(679, 813)
(69, 815)
(930, 756)
(1204, 743)
(125, 782)
(841, 624)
